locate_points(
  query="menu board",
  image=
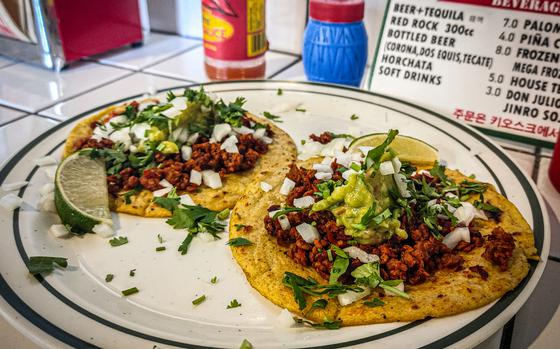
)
(492, 64)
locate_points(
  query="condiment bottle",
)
(234, 39)
(335, 42)
(554, 169)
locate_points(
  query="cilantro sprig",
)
(43, 264)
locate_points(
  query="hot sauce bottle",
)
(234, 39)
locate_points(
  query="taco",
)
(363, 238)
(193, 147)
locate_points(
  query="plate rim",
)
(533, 276)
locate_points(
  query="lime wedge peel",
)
(81, 197)
(408, 148)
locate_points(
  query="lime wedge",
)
(81, 197)
(409, 149)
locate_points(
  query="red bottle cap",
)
(336, 11)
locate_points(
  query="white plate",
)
(77, 307)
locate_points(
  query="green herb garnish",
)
(109, 277)
(286, 210)
(214, 280)
(233, 304)
(246, 345)
(118, 241)
(279, 92)
(130, 291)
(272, 117)
(132, 272)
(329, 325)
(301, 110)
(160, 248)
(236, 242)
(354, 117)
(199, 300)
(376, 302)
(42, 264)
(184, 247)
(239, 226)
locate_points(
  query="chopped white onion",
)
(179, 102)
(118, 120)
(304, 202)
(11, 201)
(323, 168)
(50, 171)
(244, 130)
(333, 147)
(122, 136)
(267, 140)
(467, 212)
(400, 181)
(186, 152)
(193, 138)
(230, 141)
(195, 177)
(185, 199)
(399, 287)
(175, 134)
(260, 133)
(133, 149)
(266, 187)
(454, 237)
(46, 203)
(58, 230)
(272, 213)
(432, 202)
(45, 161)
(323, 176)
(211, 179)
(206, 237)
(386, 168)
(310, 149)
(285, 319)
(161, 192)
(346, 174)
(220, 131)
(287, 186)
(284, 222)
(308, 232)
(344, 159)
(171, 113)
(183, 136)
(139, 130)
(165, 183)
(232, 149)
(363, 256)
(104, 230)
(327, 160)
(46, 188)
(396, 164)
(357, 157)
(350, 297)
(14, 185)
(152, 90)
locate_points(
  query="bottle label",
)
(234, 29)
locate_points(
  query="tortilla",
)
(281, 154)
(445, 293)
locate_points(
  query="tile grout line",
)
(171, 77)
(170, 57)
(536, 165)
(86, 91)
(271, 76)
(49, 117)
(285, 52)
(14, 120)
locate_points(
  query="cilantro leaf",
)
(118, 241)
(199, 300)
(354, 117)
(279, 92)
(327, 324)
(373, 156)
(184, 247)
(43, 264)
(109, 277)
(376, 302)
(272, 117)
(233, 304)
(320, 303)
(340, 264)
(236, 242)
(130, 291)
(286, 210)
(170, 203)
(246, 345)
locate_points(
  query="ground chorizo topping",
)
(378, 222)
(191, 132)
(499, 248)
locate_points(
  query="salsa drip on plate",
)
(184, 142)
(372, 221)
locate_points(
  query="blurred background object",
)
(554, 169)
(335, 46)
(54, 33)
(234, 39)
